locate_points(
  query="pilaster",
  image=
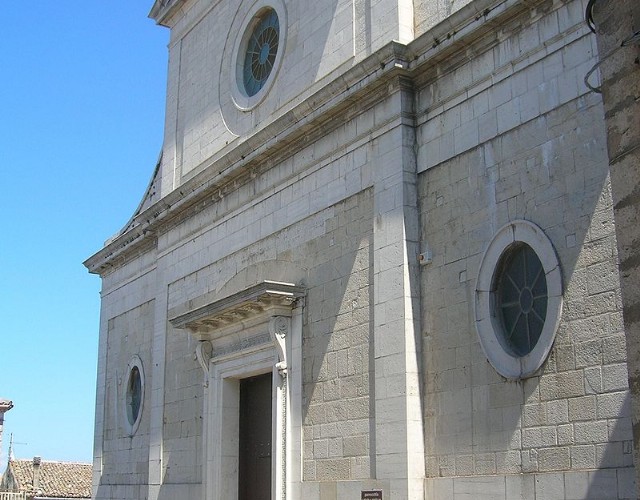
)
(157, 370)
(399, 437)
(101, 386)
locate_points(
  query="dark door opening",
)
(254, 468)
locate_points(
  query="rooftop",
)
(57, 479)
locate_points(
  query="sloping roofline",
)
(163, 9)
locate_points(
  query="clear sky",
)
(82, 94)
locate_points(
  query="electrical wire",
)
(627, 42)
(597, 90)
(588, 15)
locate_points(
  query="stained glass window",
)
(260, 55)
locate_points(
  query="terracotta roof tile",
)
(57, 479)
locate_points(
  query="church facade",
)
(376, 259)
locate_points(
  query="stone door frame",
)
(252, 332)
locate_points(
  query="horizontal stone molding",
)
(268, 298)
(365, 84)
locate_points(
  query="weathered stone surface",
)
(373, 175)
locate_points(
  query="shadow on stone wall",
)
(553, 172)
(337, 360)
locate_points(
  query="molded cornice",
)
(162, 10)
(266, 297)
(395, 67)
(359, 88)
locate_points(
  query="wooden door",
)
(254, 473)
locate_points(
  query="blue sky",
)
(82, 94)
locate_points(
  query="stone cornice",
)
(394, 67)
(467, 32)
(162, 10)
(355, 90)
(267, 297)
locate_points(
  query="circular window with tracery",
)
(257, 52)
(261, 51)
(518, 299)
(134, 395)
(521, 298)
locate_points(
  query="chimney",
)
(36, 473)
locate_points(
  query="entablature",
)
(254, 304)
(361, 87)
(395, 67)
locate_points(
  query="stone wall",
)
(529, 146)
(332, 260)
(337, 363)
(615, 25)
(183, 408)
(357, 167)
(574, 415)
(125, 457)
(322, 40)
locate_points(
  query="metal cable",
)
(588, 15)
(627, 42)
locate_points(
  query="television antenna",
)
(11, 443)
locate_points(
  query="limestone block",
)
(549, 486)
(590, 432)
(582, 408)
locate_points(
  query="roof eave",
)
(162, 11)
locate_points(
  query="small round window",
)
(518, 299)
(261, 51)
(134, 395)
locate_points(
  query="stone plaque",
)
(371, 495)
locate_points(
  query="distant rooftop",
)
(57, 479)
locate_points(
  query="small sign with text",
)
(371, 495)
